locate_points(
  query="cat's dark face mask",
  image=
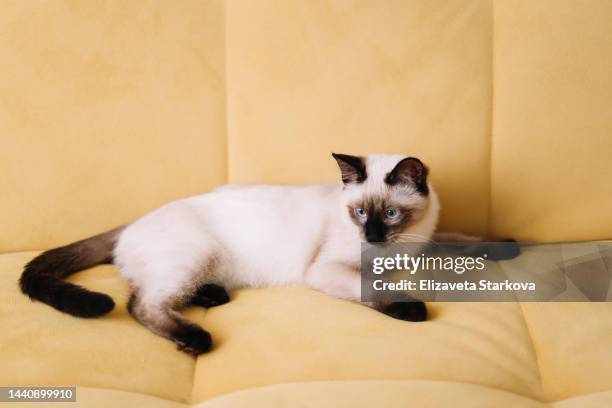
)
(379, 220)
(384, 204)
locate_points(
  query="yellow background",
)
(109, 109)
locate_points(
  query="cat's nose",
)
(375, 231)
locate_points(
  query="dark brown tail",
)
(42, 278)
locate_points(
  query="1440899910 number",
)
(8, 394)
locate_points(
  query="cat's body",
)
(257, 236)
(193, 250)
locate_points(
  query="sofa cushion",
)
(408, 77)
(293, 334)
(550, 155)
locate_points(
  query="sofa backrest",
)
(110, 109)
(551, 143)
(107, 110)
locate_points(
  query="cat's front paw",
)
(192, 340)
(210, 295)
(493, 250)
(412, 311)
(502, 250)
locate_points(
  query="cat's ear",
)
(352, 168)
(409, 171)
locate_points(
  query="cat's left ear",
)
(352, 168)
(409, 171)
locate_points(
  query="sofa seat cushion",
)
(263, 337)
(281, 335)
(41, 346)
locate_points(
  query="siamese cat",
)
(192, 251)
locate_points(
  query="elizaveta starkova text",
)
(436, 286)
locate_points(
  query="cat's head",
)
(384, 195)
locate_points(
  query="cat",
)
(192, 251)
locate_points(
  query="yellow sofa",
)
(110, 108)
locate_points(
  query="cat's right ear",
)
(352, 168)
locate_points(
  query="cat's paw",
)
(210, 295)
(494, 250)
(502, 249)
(412, 311)
(192, 340)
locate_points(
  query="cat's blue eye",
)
(360, 212)
(392, 213)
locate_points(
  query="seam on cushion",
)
(228, 141)
(491, 123)
(20, 252)
(535, 350)
(247, 389)
(550, 404)
(227, 152)
(492, 387)
(225, 94)
(531, 395)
